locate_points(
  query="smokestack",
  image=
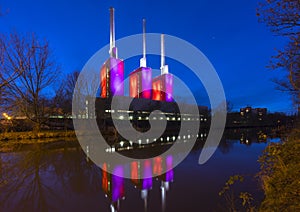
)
(144, 38)
(112, 49)
(163, 67)
(162, 51)
(143, 62)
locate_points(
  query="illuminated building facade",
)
(163, 85)
(162, 88)
(141, 79)
(141, 83)
(112, 71)
(112, 77)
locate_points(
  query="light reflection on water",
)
(61, 179)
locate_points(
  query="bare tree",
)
(76, 88)
(8, 72)
(31, 61)
(283, 19)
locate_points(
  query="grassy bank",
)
(20, 136)
(280, 174)
(15, 141)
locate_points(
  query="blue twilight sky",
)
(227, 32)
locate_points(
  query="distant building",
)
(249, 112)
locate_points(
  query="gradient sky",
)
(227, 32)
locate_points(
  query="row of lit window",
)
(145, 112)
(167, 139)
(162, 118)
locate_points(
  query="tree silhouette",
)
(34, 71)
(283, 19)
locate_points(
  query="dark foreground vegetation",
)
(280, 174)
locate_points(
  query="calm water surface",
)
(60, 178)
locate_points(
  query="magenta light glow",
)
(118, 189)
(147, 181)
(163, 88)
(141, 83)
(169, 87)
(146, 75)
(170, 172)
(116, 77)
(112, 77)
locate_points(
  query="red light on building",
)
(133, 81)
(112, 77)
(105, 179)
(163, 88)
(103, 77)
(140, 83)
(157, 87)
(157, 167)
(134, 172)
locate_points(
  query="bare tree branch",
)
(30, 62)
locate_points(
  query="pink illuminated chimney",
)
(162, 85)
(112, 71)
(141, 79)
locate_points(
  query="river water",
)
(60, 178)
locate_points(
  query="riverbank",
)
(14, 141)
(31, 136)
(280, 171)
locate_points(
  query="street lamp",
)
(7, 116)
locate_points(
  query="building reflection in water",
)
(45, 178)
(141, 178)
